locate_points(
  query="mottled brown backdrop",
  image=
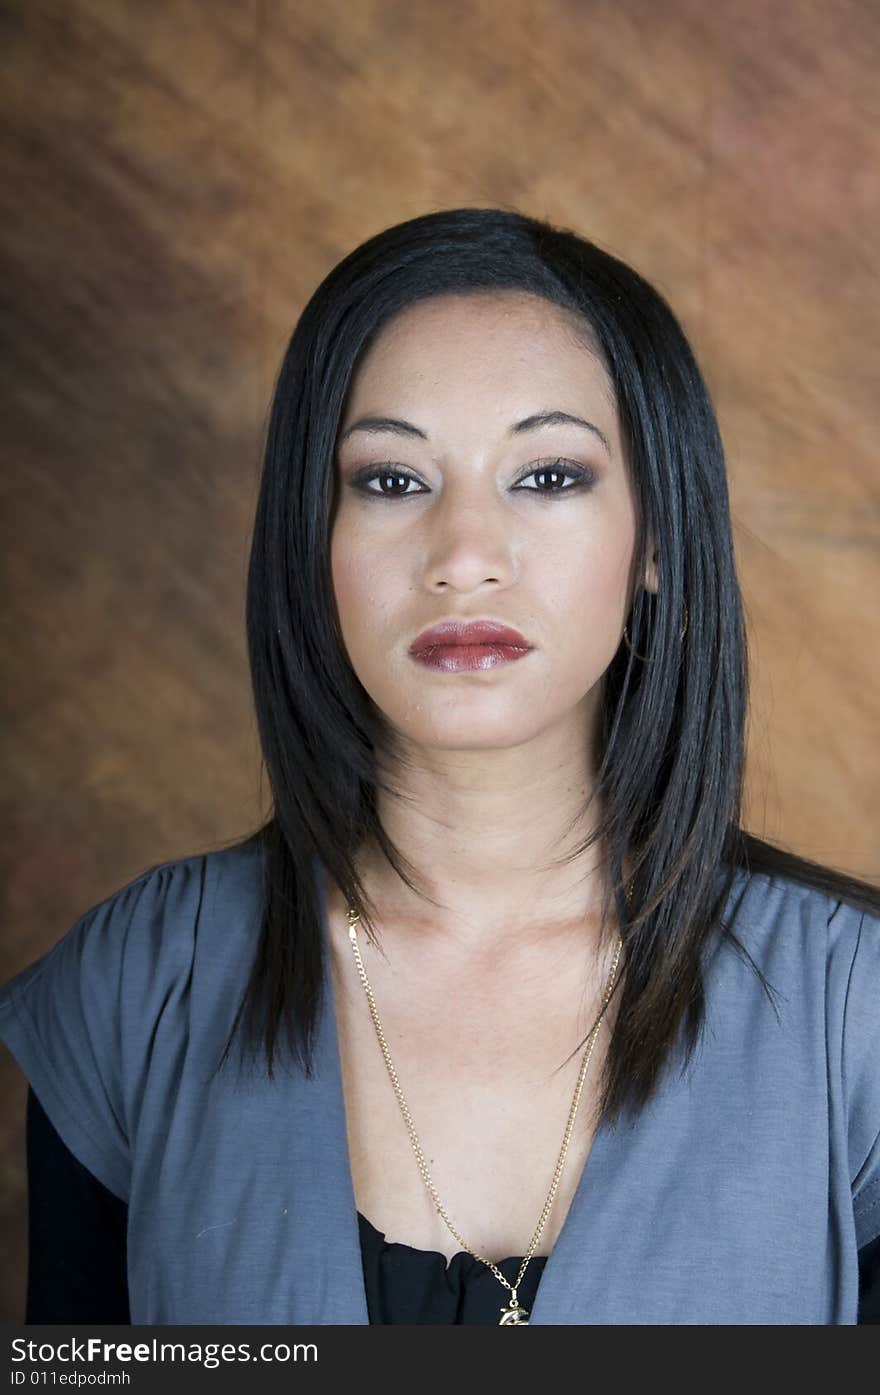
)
(177, 179)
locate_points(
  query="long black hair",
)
(672, 728)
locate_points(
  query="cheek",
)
(586, 574)
(608, 575)
(362, 585)
(344, 571)
(346, 567)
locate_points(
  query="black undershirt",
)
(77, 1270)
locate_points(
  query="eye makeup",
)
(580, 477)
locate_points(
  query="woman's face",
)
(469, 518)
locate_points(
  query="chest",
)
(728, 1199)
(489, 1093)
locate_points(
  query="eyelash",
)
(584, 479)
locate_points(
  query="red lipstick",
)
(458, 646)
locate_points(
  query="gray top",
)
(739, 1196)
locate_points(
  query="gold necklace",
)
(513, 1314)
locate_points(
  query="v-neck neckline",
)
(550, 1300)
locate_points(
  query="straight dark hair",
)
(672, 730)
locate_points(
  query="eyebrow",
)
(376, 425)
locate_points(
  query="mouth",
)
(467, 658)
(476, 634)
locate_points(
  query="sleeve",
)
(84, 1021)
(77, 1261)
(860, 1061)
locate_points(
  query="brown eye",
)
(390, 477)
(558, 470)
(394, 479)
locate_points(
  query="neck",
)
(487, 833)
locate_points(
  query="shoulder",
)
(783, 918)
(149, 921)
(819, 948)
(113, 998)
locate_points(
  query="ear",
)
(651, 581)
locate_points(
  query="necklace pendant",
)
(514, 1315)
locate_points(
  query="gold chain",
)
(514, 1313)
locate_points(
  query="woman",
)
(636, 1046)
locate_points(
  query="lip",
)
(468, 658)
(460, 634)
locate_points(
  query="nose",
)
(470, 540)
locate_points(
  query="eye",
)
(581, 477)
(395, 475)
(385, 473)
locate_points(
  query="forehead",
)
(498, 342)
